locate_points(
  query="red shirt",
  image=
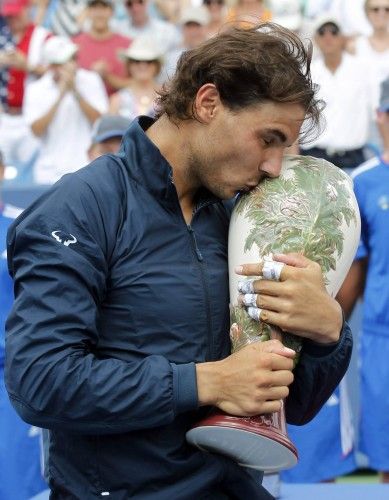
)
(92, 50)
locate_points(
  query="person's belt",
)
(340, 152)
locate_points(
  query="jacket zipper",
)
(201, 264)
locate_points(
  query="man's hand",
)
(14, 59)
(298, 302)
(251, 381)
(67, 77)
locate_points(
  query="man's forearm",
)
(39, 127)
(89, 111)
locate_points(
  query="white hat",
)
(199, 15)
(142, 49)
(326, 18)
(287, 13)
(58, 50)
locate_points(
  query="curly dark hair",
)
(265, 63)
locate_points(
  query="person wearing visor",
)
(344, 87)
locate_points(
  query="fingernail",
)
(290, 351)
(239, 269)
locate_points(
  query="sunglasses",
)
(216, 2)
(138, 61)
(333, 30)
(378, 9)
(131, 3)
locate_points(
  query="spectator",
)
(143, 61)
(98, 49)
(374, 49)
(351, 16)
(139, 22)
(217, 16)
(369, 275)
(345, 89)
(67, 16)
(287, 13)
(61, 108)
(193, 22)
(107, 135)
(20, 467)
(248, 12)
(170, 10)
(21, 62)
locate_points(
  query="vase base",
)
(247, 448)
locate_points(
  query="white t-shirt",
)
(64, 146)
(378, 63)
(348, 104)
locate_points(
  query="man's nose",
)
(272, 163)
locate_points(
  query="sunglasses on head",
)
(210, 2)
(334, 30)
(130, 3)
(378, 9)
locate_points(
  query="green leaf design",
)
(301, 211)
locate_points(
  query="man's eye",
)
(268, 142)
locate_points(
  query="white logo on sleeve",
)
(4, 254)
(64, 238)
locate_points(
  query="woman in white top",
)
(143, 62)
(375, 48)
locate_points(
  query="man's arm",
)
(353, 286)
(39, 127)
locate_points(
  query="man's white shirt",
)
(65, 143)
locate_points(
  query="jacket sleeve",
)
(58, 257)
(318, 372)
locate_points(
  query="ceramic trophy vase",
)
(311, 209)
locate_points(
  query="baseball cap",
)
(143, 48)
(199, 15)
(287, 13)
(109, 126)
(384, 96)
(58, 50)
(323, 19)
(12, 7)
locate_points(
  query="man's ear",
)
(206, 103)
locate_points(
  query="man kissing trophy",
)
(309, 209)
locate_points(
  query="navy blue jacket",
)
(117, 298)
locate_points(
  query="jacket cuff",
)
(317, 350)
(184, 387)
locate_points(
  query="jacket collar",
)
(148, 167)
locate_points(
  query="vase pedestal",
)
(258, 442)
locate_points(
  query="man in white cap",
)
(61, 108)
(193, 22)
(344, 86)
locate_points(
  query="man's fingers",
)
(292, 259)
(276, 347)
(267, 270)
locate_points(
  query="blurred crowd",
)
(64, 63)
(74, 73)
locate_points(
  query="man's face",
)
(100, 14)
(193, 34)
(236, 150)
(137, 10)
(330, 40)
